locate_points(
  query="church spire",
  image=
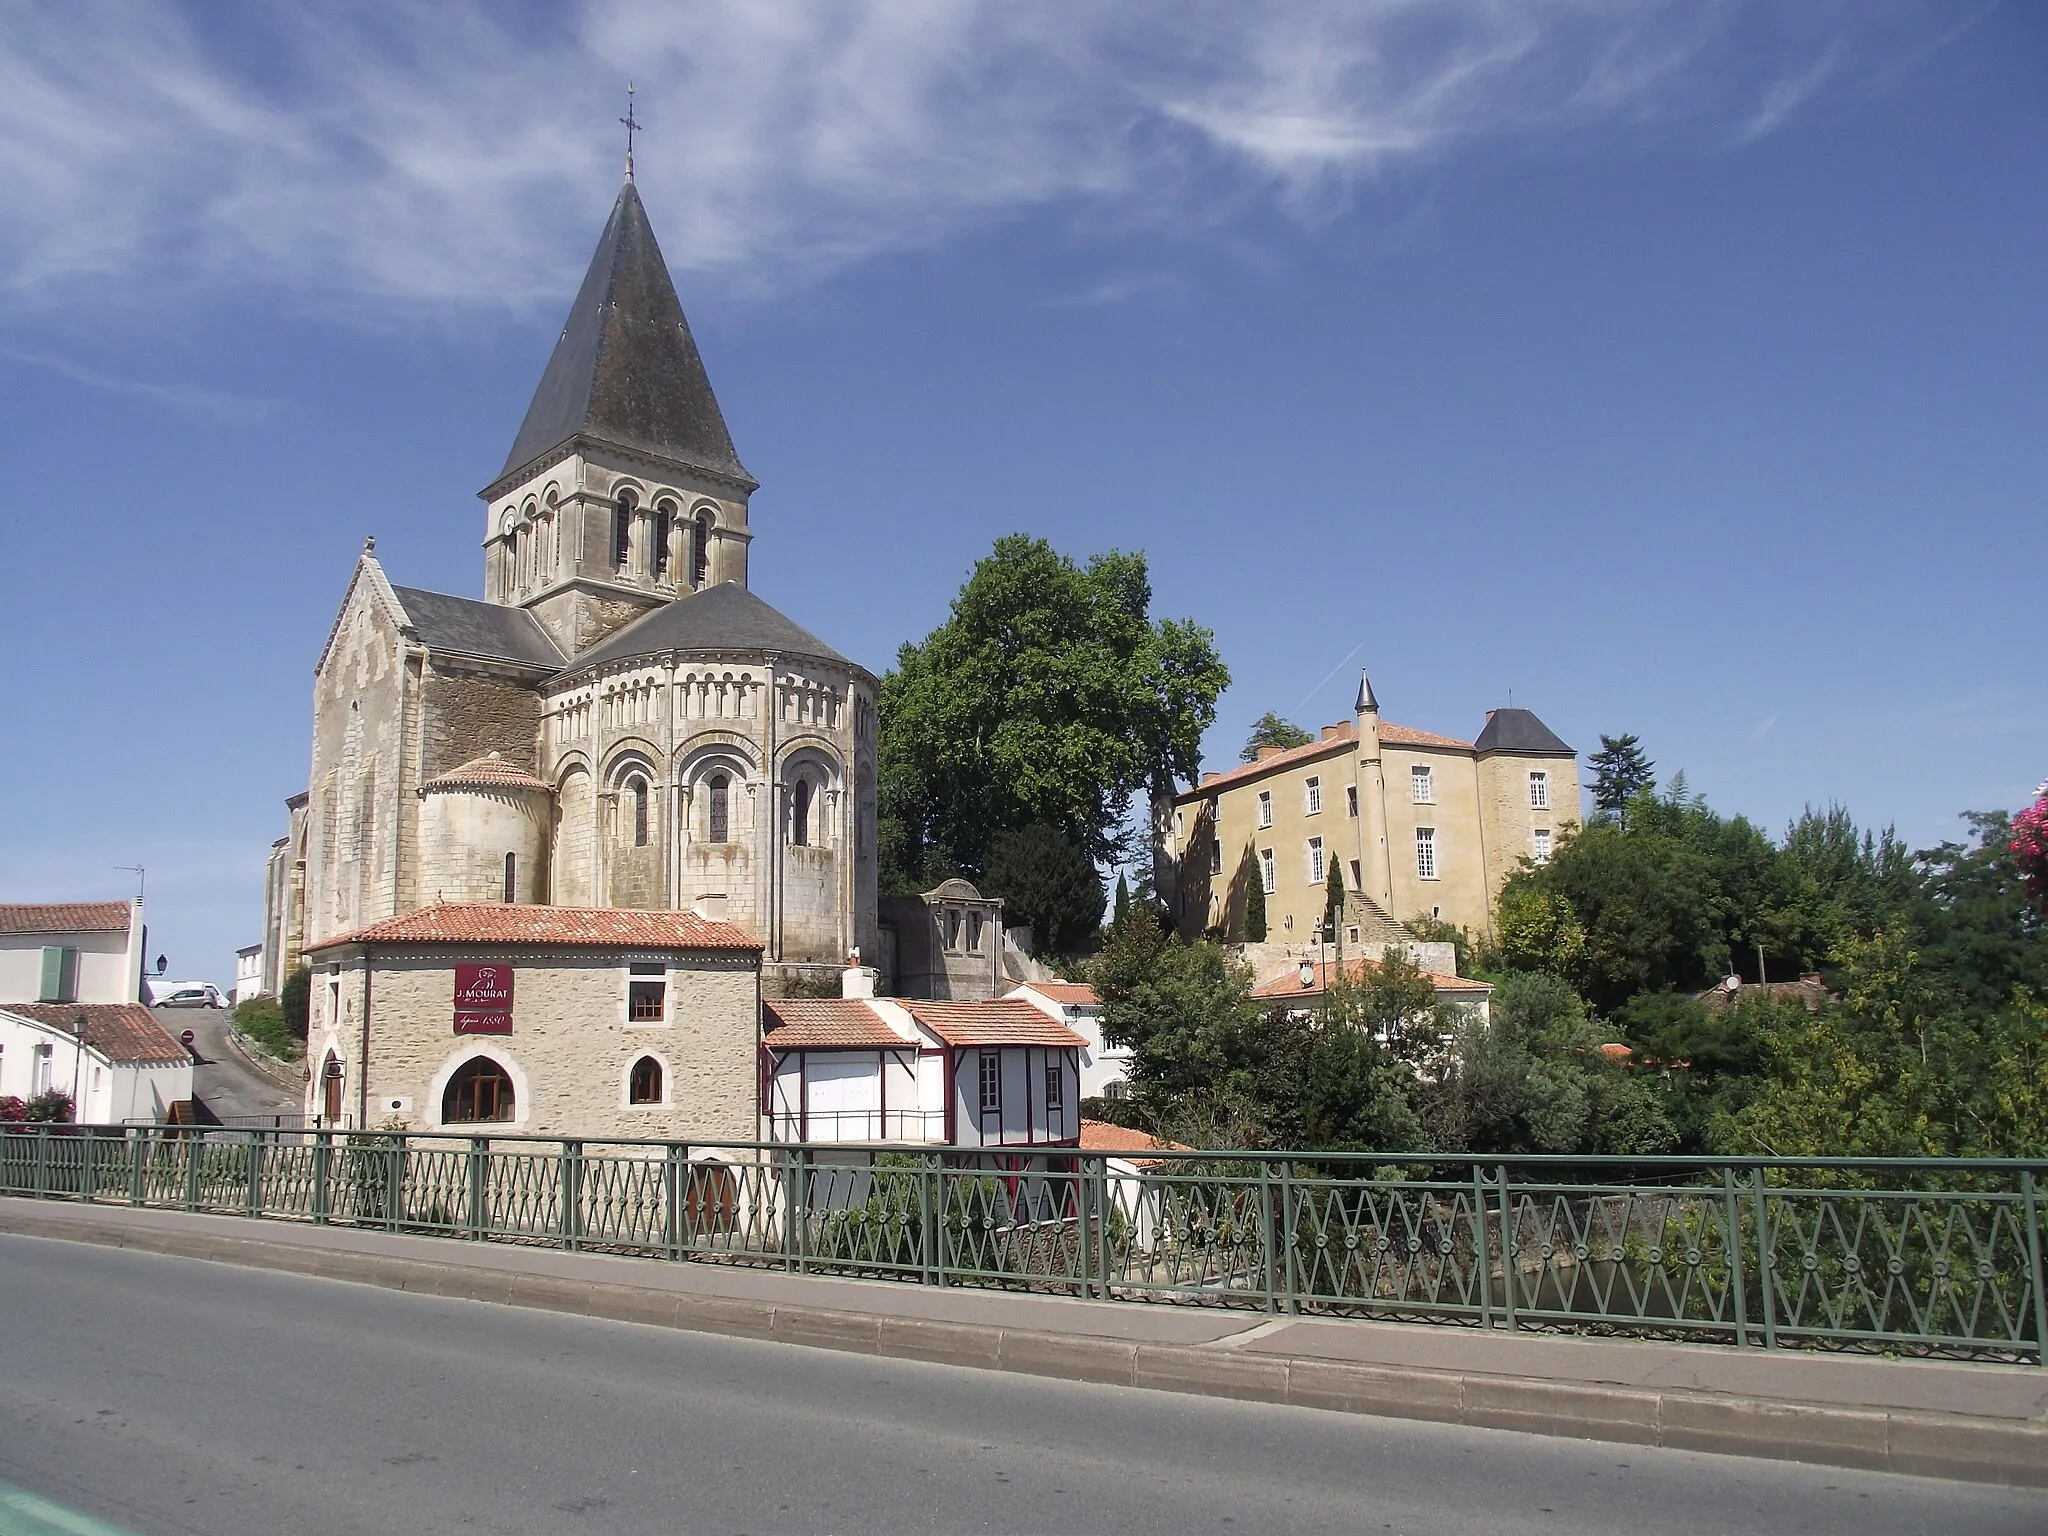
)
(626, 370)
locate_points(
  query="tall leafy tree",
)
(1270, 730)
(1050, 695)
(1621, 771)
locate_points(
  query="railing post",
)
(323, 1176)
(786, 1158)
(138, 1144)
(928, 1219)
(804, 1181)
(572, 1194)
(1099, 1187)
(195, 1150)
(394, 1181)
(1737, 1281)
(1482, 1246)
(1510, 1263)
(941, 1225)
(1766, 1266)
(1290, 1225)
(1270, 1249)
(42, 1162)
(479, 1214)
(1083, 1236)
(253, 1196)
(675, 1189)
(2032, 1191)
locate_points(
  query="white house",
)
(248, 972)
(115, 1061)
(995, 1073)
(1105, 1068)
(71, 952)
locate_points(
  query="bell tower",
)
(622, 491)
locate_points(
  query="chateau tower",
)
(622, 491)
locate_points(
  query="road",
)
(173, 1396)
(228, 1084)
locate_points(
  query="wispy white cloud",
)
(222, 405)
(435, 152)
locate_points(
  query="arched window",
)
(480, 1091)
(511, 878)
(644, 1086)
(622, 531)
(718, 829)
(700, 548)
(800, 813)
(664, 520)
(637, 788)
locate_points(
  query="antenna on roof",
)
(632, 127)
(141, 877)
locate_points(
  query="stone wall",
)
(469, 713)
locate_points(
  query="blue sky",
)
(1675, 368)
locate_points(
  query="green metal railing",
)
(1915, 1257)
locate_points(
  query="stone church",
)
(618, 721)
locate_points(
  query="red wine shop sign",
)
(483, 999)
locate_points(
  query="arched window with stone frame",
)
(622, 530)
(644, 1083)
(480, 1091)
(700, 547)
(664, 523)
(800, 813)
(807, 776)
(718, 807)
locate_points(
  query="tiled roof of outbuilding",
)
(999, 1021)
(1288, 983)
(126, 1032)
(1069, 994)
(66, 917)
(1101, 1136)
(827, 1023)
(491, 923)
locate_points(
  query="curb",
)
(279, 1072)
(2010, 1452)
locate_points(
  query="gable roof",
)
(118, 1031)
(465, 626)
(827, 1023)
(493, 923)
(723, 618)
(66, 917)
(1392, 735)
(625, 369)
(1272, 762)
(1520, 732)
(999, 1021)
(1101, 1136)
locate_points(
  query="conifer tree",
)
(1254, 905)
(1620, 772)
(1333, 902)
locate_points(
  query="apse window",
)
(646, 993)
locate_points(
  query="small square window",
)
(646, 993)
(1351, 935)
(1422, 785)
(1312, 797)
(1265, 807)
(1425, 853)
(1539, 790)
(1266, 880)
(1350, 799)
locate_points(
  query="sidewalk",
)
(1983, 1423)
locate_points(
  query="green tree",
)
(295, 1000)
(1269, 730)
(1049, 695)
(1046, 880)
(1254, 901)
(1333, 900)
(1621, 771)
(1183, 1010)
(1123, 899)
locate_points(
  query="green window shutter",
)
(60, 974)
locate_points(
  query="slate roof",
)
(491, 923)
(126, 1032)
(625, 369)
(723, 618)
(1001, 1021)
(467, 627)
(827, 1023)
(488, 772)
(66, 917)
(1520, 732)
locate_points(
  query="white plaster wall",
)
(102, 966)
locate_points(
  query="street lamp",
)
(77, 1051)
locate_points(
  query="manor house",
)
(618, 721)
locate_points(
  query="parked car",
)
(185, 994)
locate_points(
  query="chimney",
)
(1266, 752)
(857, 981)
(1332, 732)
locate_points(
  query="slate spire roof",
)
(626, 369)
(1520, 732)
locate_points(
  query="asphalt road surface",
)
(228, 1084)
(170, 1395)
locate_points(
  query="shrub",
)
(12, 1110)
(261, 1020)
(296, 999)
(50, 1107)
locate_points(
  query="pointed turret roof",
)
(626, 369)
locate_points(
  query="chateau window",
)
(1425, 853)
(1356, 883)
(1350, 799)
(1266, 881)
(718, 829)
(664, 519)
(1540, 840)
(800, 813)
(1422, 784)
(622, 531)
(700, 548)
(1265, 807)
(1055, 1086)
(1312, 797)
(1215, 855)
(511, 878)
(480, 1091)
(1180, 826)
(991, 1082)
(644, 1085)
(1316, 875)
(646, 992)
(1539, 790)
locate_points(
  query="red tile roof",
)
(491, 923)
(1000, 1021)
(827, 1023)
(1408, 736)
(488, 772)
(1288, 982)
(126, 1032)
(1101, 1136)
(1068, 994)
(66, 917)
(1271, 763)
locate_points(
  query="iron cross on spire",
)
(632, 127)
